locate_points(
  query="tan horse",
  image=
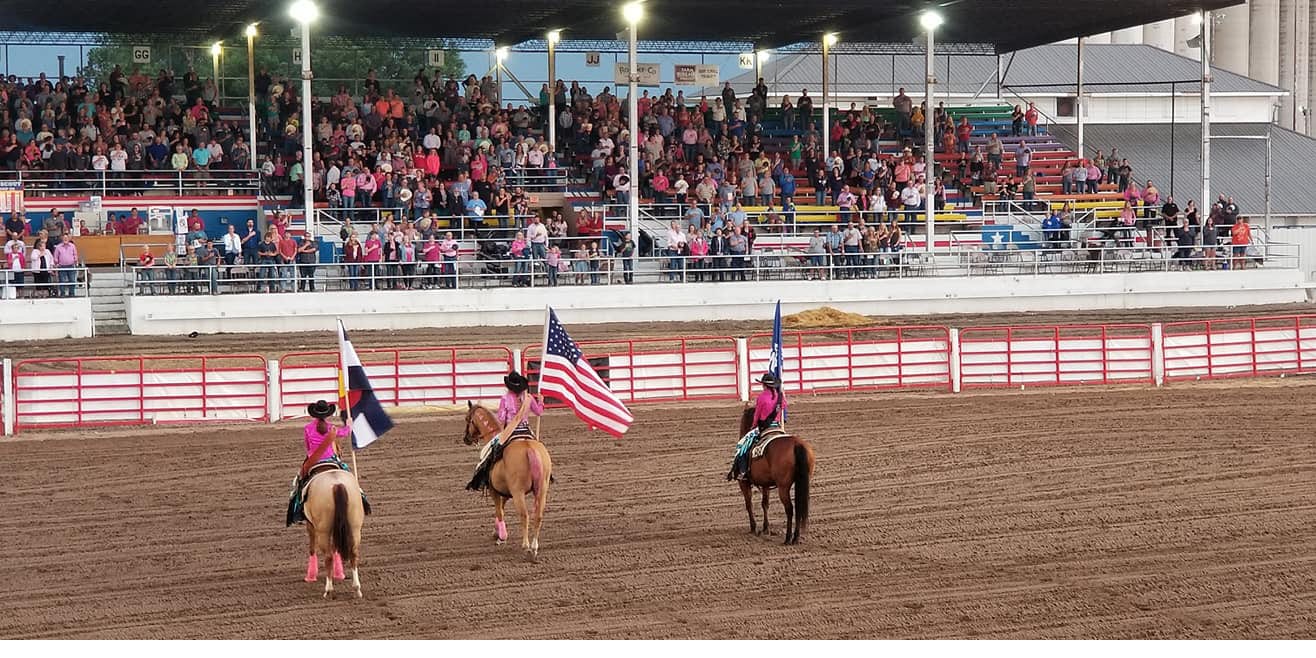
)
(787, 460)
(525, 468)
(334, 516)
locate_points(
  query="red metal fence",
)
(1061, 355)
(401, 377)
(1242, 347)
(91, 391)
(866, 359)
(103, 391)
(658, 369)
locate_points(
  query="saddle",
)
(766, 437)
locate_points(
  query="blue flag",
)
(776, 360)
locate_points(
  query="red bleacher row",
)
(105, 391)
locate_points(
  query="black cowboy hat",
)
(321, 409)
(770, 380)
(516, 382)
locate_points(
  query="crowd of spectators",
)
(128, 122)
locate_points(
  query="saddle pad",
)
(761, 446)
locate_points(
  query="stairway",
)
(108, 307)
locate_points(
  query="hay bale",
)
(825, 317)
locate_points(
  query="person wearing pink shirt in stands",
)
(698, 252)
(431, 162)
(347, 187)
(366, 186)
(66, 260)
(429, 254)
(16, 262)
(448, 249)
(374, 255)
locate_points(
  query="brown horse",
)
(334, 515)
(788, 460)
(525, 468)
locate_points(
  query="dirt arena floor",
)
(1184, 512)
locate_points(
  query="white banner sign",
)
(703, 75)
(434, 58)
(141, 54)
(647, 74)
(592, 58)
(747, 61)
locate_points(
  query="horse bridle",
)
(482, 423)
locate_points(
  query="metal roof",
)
(1006, 24)
(1237, 166)
(1043, 70)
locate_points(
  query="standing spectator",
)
(208, 260)
(42, 263)
(66, 259)
(287, 256)
(1240, 236)
(626, 253)
(448, 250)
(307, 257)
(54, 227)
(1030, 117)
(15, 227)
(352, 256)
(738, 245)
(16, 263)
(232, 246)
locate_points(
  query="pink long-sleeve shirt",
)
(766, 404)
(510, 404)
(314, 438)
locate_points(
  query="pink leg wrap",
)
(338, 567)
(312, 569)
(501, 528)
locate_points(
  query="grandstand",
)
(409, 168)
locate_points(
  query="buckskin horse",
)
(787, 460)
(525, 468)
(334, 516)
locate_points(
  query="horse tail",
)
(341, 530)
(536, 471)
(803, 466)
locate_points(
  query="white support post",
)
(10, 405)
(517, 360)
(1158, 353)
(273, 392)
(742, 369)
(954, 360)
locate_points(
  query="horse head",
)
(470, 436)
(746, 420)
(480, 424)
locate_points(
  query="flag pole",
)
(543, 349)
(345, 398)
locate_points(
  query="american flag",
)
(568, 376)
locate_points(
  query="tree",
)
(336, 61)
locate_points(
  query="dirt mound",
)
(826, 318)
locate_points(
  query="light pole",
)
(553, 37)
(633, 12)
(1205, 36)
(828, 40)
(500, 56)
(251, 95)
(305, 12)
(930, 20)
(216, 49)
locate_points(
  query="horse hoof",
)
(359, 594)
(498, 542)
